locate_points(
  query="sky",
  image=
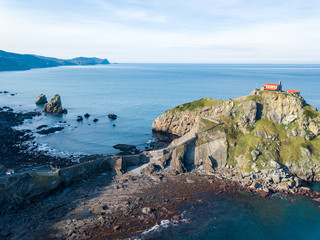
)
(162, 31)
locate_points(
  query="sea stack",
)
(54, 106)
(42, 99)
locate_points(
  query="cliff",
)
(13, 61)
(271, 135)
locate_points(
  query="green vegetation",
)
(207, 124)
(198, 104)
(55, 97)
(236, 103)
(202, 140)
(310, 112)
(256, 98)
(43, 180)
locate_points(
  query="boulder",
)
(95, 120)
(274, 164)
(112, 116)
(126, 148)
(87, 115)
(79, 119)
(54, 106)
(42, 99)
(276, 178)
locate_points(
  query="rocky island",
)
(264, 143)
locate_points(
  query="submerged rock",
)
(42, 99)
(54, 106)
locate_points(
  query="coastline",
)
(120, 200)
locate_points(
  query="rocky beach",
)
(264, 143)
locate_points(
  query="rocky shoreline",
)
(224, 147)
(18, 148)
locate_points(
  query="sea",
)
(139, 93)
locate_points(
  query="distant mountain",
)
(13, 61)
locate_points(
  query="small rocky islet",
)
(264, 143)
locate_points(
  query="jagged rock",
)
(274, 164)
(315, 128)
(177, 159)
(54, 106)
(42, 99)
(165, 159)
(150, 169)
(112, 116)
(179, 122)
(276, 178)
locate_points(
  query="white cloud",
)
(137, 32)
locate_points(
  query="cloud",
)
(230, 31)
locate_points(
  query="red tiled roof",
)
(293, 91)
(271, 84)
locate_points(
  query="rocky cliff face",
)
(54, 106)
(260, 133)
(183, 118)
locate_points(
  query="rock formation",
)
(112, 116)
(272, 135)
(54, 106)
(42, 99)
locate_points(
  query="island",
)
(16, 62)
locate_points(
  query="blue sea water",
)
(244, 217)
(137, 93)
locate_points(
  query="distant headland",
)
(15, 62)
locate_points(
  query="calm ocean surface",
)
(138, 93)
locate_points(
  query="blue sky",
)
(202, 31)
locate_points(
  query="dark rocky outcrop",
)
(126, 148)
(54, 106)
(50, 130)
(41, 126)
(79, 119)
(112, 116)
(42, 99)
